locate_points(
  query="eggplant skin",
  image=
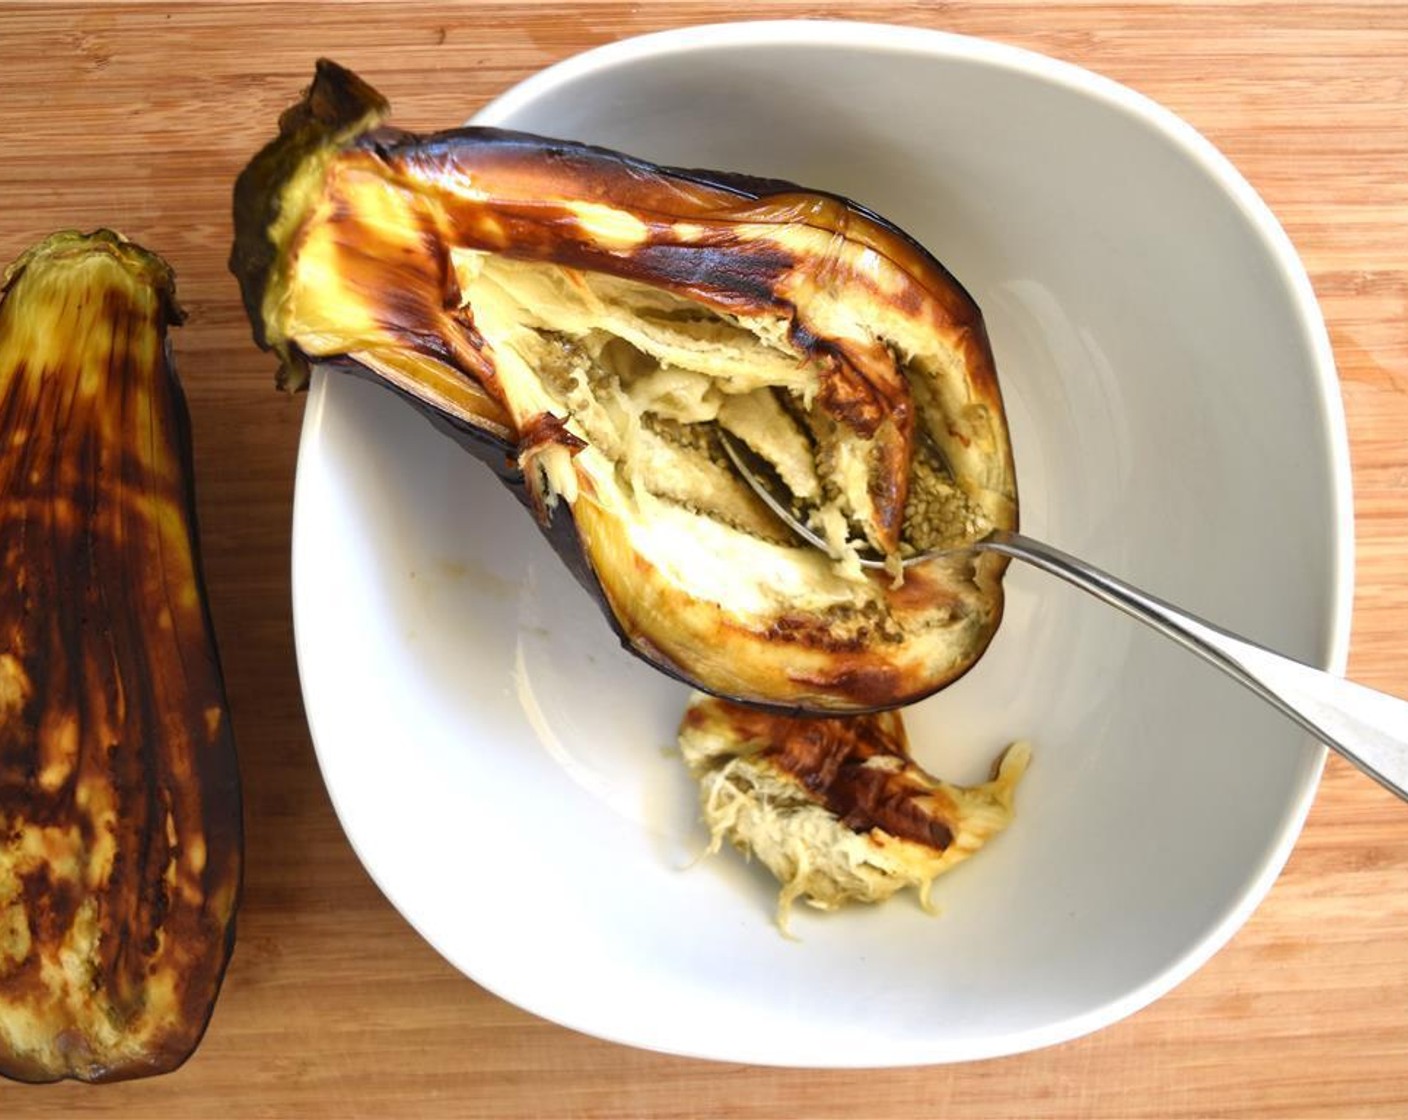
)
(584, 321)
(121, 826)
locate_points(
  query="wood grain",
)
(139, 115)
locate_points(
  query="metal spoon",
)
(1367, 727)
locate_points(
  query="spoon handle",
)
(1369, 728)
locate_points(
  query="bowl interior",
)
(503, 768)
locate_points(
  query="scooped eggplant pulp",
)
(587, 323)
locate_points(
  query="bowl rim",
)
(943, 45)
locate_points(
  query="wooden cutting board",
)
(139, 116)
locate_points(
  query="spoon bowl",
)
(1368, 728)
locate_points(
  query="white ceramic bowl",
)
(501, 766)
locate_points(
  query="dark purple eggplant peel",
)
(586, 322)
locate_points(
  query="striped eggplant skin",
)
(120, 809)
(468, 269)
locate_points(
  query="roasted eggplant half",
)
(587, 323)
(837, 808)
(120, 815)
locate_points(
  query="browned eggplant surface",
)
(836, 808)
(120, 813)
(587, 323)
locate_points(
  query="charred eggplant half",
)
(587, 323)
(120, 813)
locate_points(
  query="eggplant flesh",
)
(120, 809)
(588, 323)
(837, 809)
